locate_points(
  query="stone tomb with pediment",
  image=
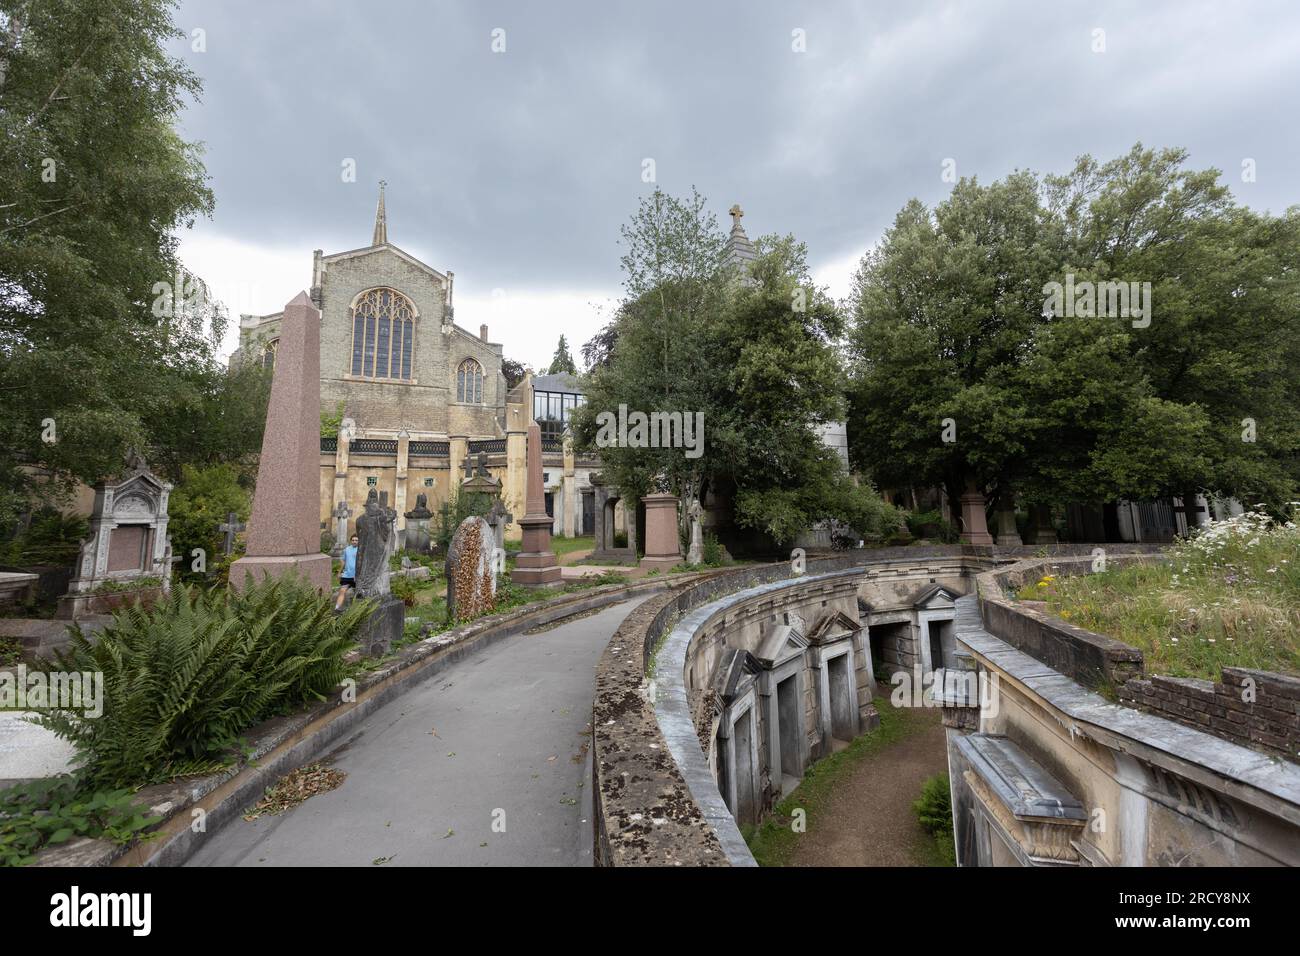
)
(127, 542)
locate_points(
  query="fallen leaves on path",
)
(293, 789)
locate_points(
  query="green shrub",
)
(934, 808)
(52, 538)
(184, 678)
(712, 550)
(452, 513)
(403, 589)
(197, 507)
(54, 810)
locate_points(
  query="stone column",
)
(518, 479)
(663, 548)
(284, 529)
(347, 429)
(570, 485)
(399, 484)
(975, 529)
(1008, 534)
(458, 448)
(536, 564)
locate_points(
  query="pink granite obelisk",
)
(536, 563)
(284, 528)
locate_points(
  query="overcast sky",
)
(515, 169)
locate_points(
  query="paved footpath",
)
(510, 744)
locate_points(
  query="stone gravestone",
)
(374, 547)
(695, 554)
(284, 528)
(471, 576)
(128, 537)
(340, 514)
(417, 525)
(498, 518)
(231, 527)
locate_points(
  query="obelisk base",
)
(536, 564)
(316, 569)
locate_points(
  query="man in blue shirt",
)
(348, 576)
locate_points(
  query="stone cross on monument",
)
(735, 212)
(695, 554)
(284, 528)
(340, 514)
(468, 465)
(231, 527)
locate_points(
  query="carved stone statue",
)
(373, 530)
(695, 555)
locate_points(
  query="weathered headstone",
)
(471, 575)
(375, 537)
(340, 514)
(284, 528)
(417, 525)
(498, 518)
(695, 553)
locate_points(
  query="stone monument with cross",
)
(340, 514)
(231, 527)
(695, 553)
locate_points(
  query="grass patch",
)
(934, 812)
(773, 842)
(562, 545)
(1227, 597)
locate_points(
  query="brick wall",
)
(1256, 709)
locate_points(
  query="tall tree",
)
(753, 352)
(562, 362)
(967, 372)
(100, 328)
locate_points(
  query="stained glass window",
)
(469, 382)
(383, 335)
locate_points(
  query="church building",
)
(419, 399)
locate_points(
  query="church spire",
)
(381, 219)
(740, 250)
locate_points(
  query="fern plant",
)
(184, 678)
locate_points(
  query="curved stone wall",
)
(657, 706)
(1057, 776)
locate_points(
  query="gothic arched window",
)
(383, 334)
(469, 382)
(268, 354)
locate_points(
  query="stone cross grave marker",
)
(340, 514)
(231, 526)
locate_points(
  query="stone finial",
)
(735, 212)
(381, 219)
